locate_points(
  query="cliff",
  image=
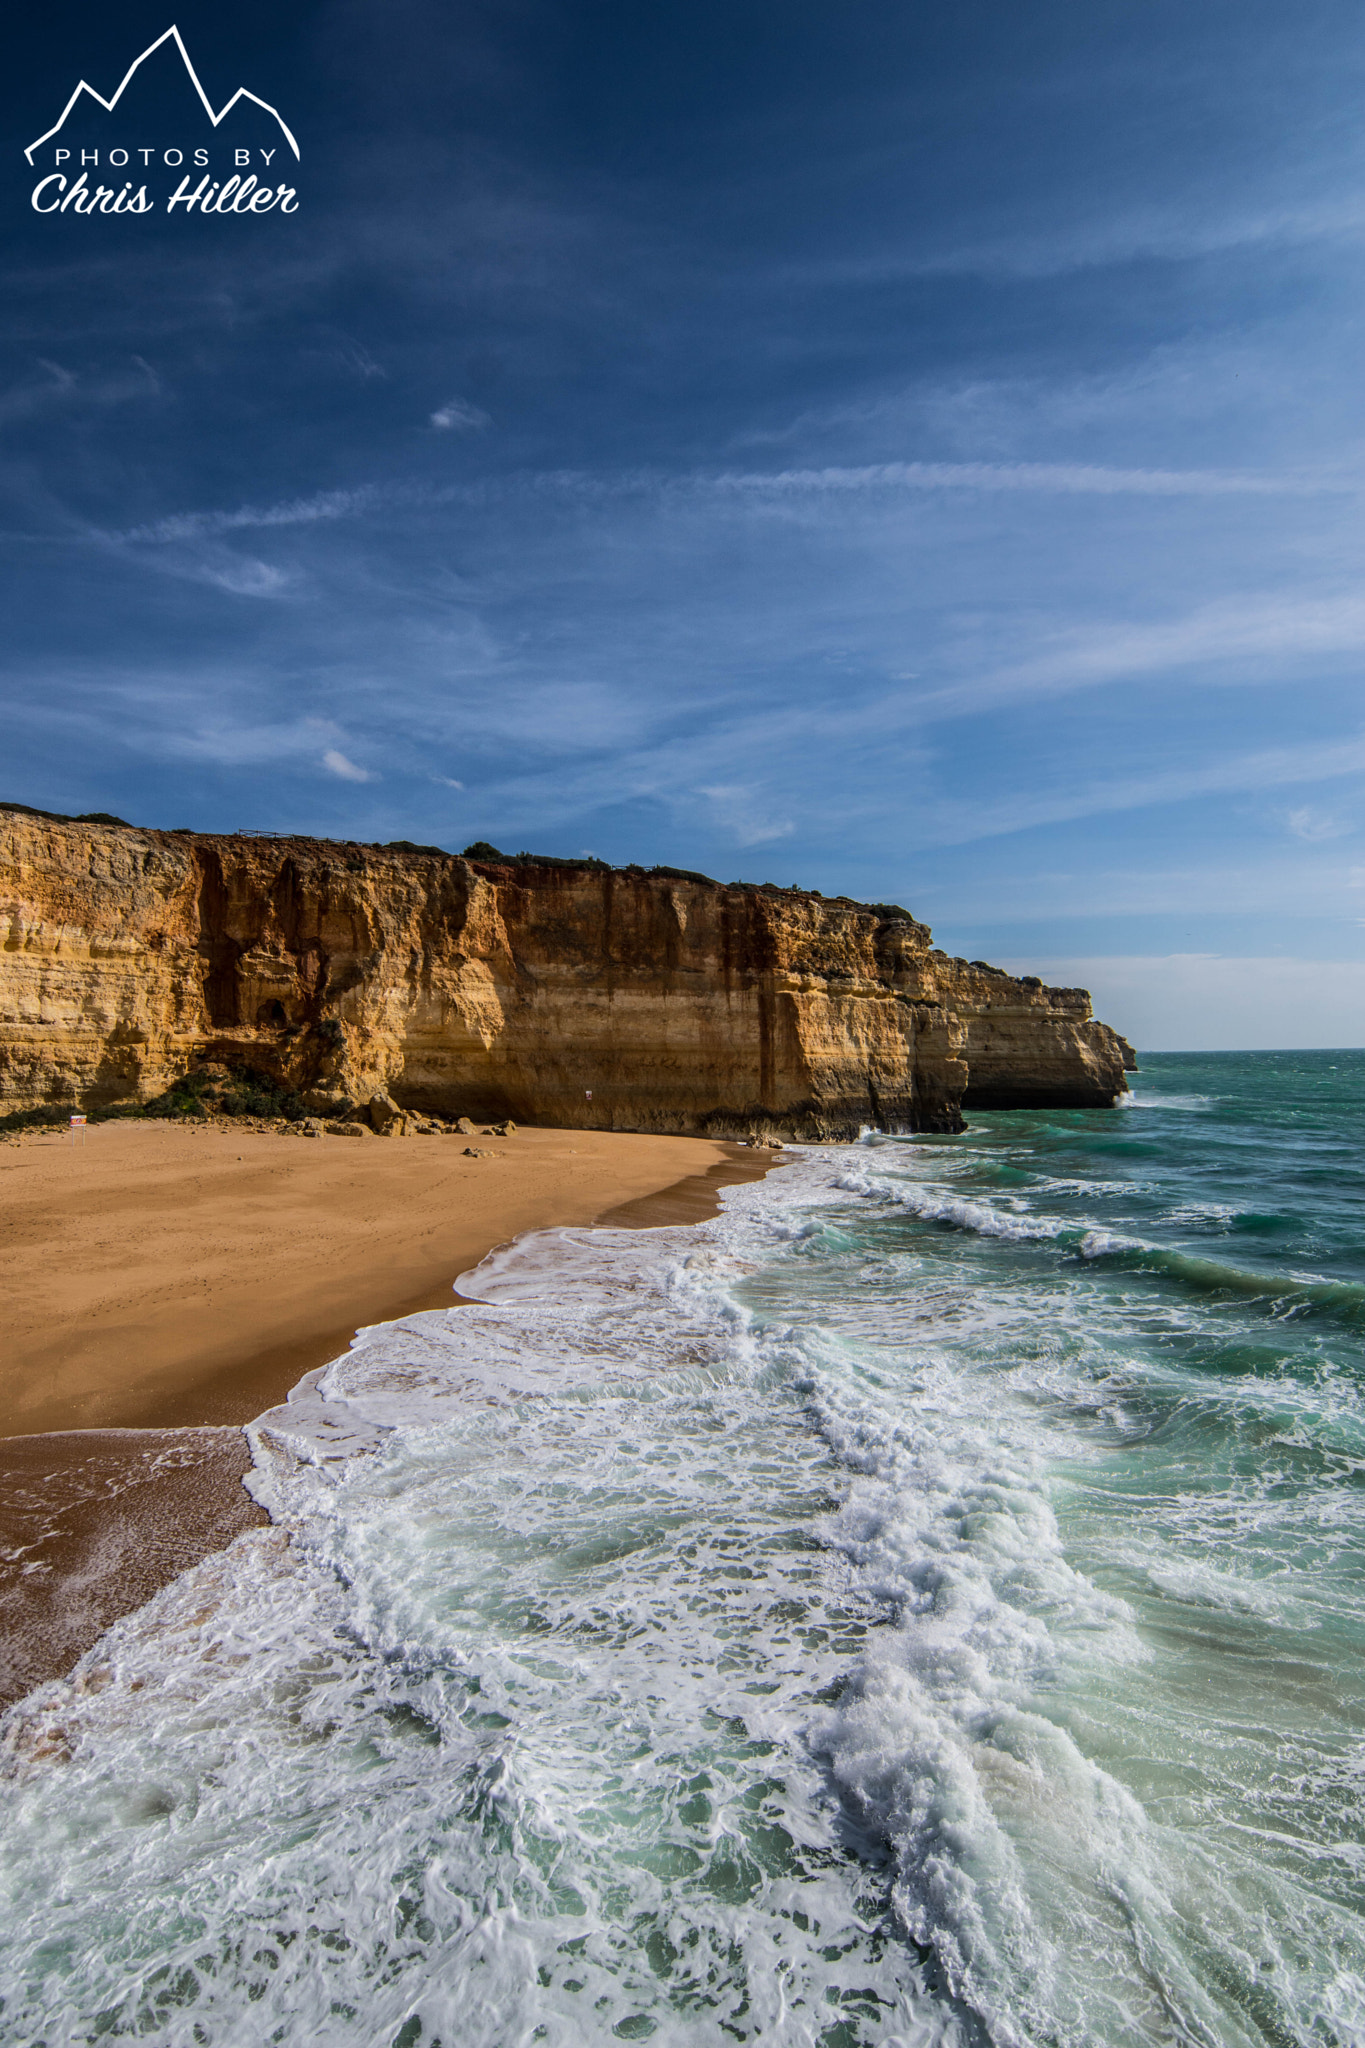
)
(495, 988)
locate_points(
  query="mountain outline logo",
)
(172, 34)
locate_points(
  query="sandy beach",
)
(165, 1282)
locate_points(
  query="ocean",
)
(921, 1606)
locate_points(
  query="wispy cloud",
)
(685, 772)
(356, 358)
(227, 741)
(947, 823)
(1245, 630)
(337, 763)
(187, 526)
(208, 562)
(34, 396)
(151, 719)
(742, 816)
(1044, 478)
(1316, 826)
(458, 416)
(1131, 235)
(1086, 479)
(188, 544)
(240, 575)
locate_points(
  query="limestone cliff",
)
(553, 993)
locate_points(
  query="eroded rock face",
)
(552, 995)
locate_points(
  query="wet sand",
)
(164, 1284)
(93, 1522)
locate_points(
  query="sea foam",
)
(710, 1634)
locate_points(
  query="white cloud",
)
(244, 576)
(31, 396)
(459, 416)
(1087, 479)
(1313, 825)
(447, 782)
(736, 812)
(1113, 238)
(1208, 1002)
(1233, 629)
(1057, 478)
(206, 562)
(337, 763)
(62, 380)
(232, 743)
(954, 824)
(184, 526)
(357, 358)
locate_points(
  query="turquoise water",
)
(922, 1606)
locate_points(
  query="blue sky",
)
(910, 451)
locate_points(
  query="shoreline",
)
(96, 1518)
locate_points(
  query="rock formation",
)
(553, 992)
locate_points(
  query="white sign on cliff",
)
(113, 156)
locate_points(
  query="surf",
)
(862, 1618)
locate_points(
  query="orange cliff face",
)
(506, 988)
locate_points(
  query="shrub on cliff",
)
(482, 850)
(684, 875)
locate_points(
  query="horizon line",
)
(170, 34)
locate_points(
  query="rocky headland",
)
(550, 992)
